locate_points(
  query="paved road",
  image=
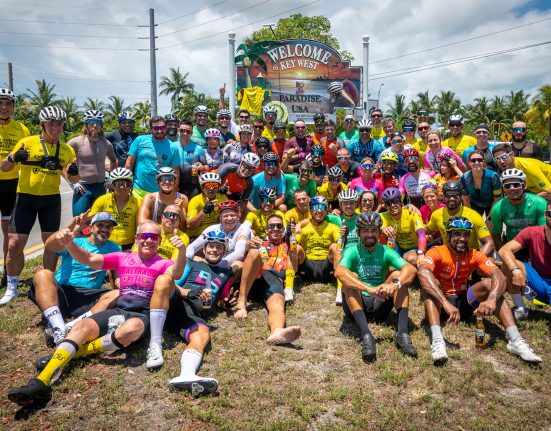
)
(34, 245)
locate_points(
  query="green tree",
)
(300, 26)
(478, 112)
(423, 100)
(43, 96)
(399, 109)
(539, 114)
(115, 106)
(516, 104)
(185, 105)
(74, 114)
(249, 55)
(142, 113)
(447, 104)
(175, 85)
(94, 104)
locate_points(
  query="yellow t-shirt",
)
(195, 206)
(166, 250)
(11, 134)
(325, 191)
(316, 240)
(459, 144)
(259, 221)
(294, 214)
(127, 218)
(406, 228)
(35, 180)
(439, 218)
(420, 145)
(378, 132)
(538, 174)
(251, 99)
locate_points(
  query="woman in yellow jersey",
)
(122, 206)
(258, 219)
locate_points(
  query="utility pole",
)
(152, 60)
(231, 71)
(10, 76)
(365, 39)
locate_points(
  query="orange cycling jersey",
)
(453, 270)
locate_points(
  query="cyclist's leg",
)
(49, 217)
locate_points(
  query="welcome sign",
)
(306, 75)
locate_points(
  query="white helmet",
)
(201, 109)
(247, 128)
(348, 195)
(6, 93)
(166, 170)
(93, 114)
(251, 159)
(121, 174)
(456, 118)
(222, 112)
(335, 87)
(270, 109)
(365, 124)
(209, 177)
(52, 113)
(513, 174)
(212, 133)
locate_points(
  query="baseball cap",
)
(103, 216)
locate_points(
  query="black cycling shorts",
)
(73, 301)
(28, 207)
(461, 303)
(102, 319)
(8, 192)
(183, 314)
(316, 270)
(374, 308)
(265, 286)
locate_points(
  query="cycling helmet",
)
(389, 156)
(228, 205)
(319, 116)
(279, 125)
(368, 219)
(270, 110)
(335, 171)
(452, 186)
(167, 170)
(215, 237)
(317, 148)
(212, 133)
(209, 177)
(171, 117)
(458, 223)
(455, 119)
(125, 116)
(365, 124)
(390, 194)
(270, 156)
(267, 193)
(245, 128)
(223, 112)
(444, 156)
(318, 200)
(262, 142)
(395, 135)
(410, 152)
(121, 174)
(6, 93)
(201, 109)
(335, 87)
(348, 195)
(410, 124)
(52, 113)
(92, 115)
(482, 126)
(251, 159)
(513, 174)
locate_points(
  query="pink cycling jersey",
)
(414, 187)
(360, 185)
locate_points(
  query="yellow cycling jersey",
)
(127, 218)
(406, 228)
(34, 179)
(422, 147)
(166, 250)
(378, 132)
(258, 221)
(195, 206)
(538, 174)
(459, 144)
(325, 191)
(316, 240)
(251, 99)
(294, 214)
(11, 134)
(439, 218)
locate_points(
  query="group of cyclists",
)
(191, 219)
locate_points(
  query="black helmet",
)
(409, 123)
(369, 219)
(452, 186)
(262, 142)
(270, 156)
(317, 148)
(171, 117)
(319, 116)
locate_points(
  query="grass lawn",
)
(320, 383)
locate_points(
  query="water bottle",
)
(114, 322)
(529, 293)
(292, 238)
(263, 254)
(207, 304)
(480, 333)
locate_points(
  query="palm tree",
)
(185, 105)
(74, 115)
(142, 113)
(94, 104)
(44, 96)
(399, 110)
(539, 114)
(447, 104)
(516, 104)
(478, 112)
(423, 99)
(115, 106)
(249, 55)
(176, 85)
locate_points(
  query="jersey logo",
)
(541, 184)
(428, 259)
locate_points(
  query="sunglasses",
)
(258, 127)
(96, 122)
(267, 200)
(455, 124)
(278, 226)
(394, 202)
(548, 213)
(367, 165)
(348, 120)
(388, 162)
(244, 117)
(317, 153)
(166, 178)
(367, 201)
(365, 130)
(411, 159)
(452, 196)
(158, 128)
(422, 113)
(512, 186)
(519, 129)
(424, 128)
(211, 186)
(146, 235)
(119, 184)
(481, 132)
(503, 157)
(185, 132)
(246, 167)
(300, 127)
(477, 160)
(306, 172)
(343, 158)
(172, 215)
(335, 179)
(270, 164)
(396, 142)
(376, 116)
(224, 118)
(319, 207)
(407, 129)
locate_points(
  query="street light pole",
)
(365, 39)
(379, 94)
(231, 70)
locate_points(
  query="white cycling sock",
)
(436, 331)
(517, 300)
(11, 290)
(513, 333)
(190, 362)
(78, 319)
(157, 317)
(54, 317)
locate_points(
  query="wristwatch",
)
(10, 158)
(395, 280)
(514, 268)
(420, 252)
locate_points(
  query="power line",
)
(70, 47)
(70, 35)
(70, 23)
(50, 6)
(191, 13)
(440, 64)
(241, 26)
(83, 78)
(217, 19)
(460, 41)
